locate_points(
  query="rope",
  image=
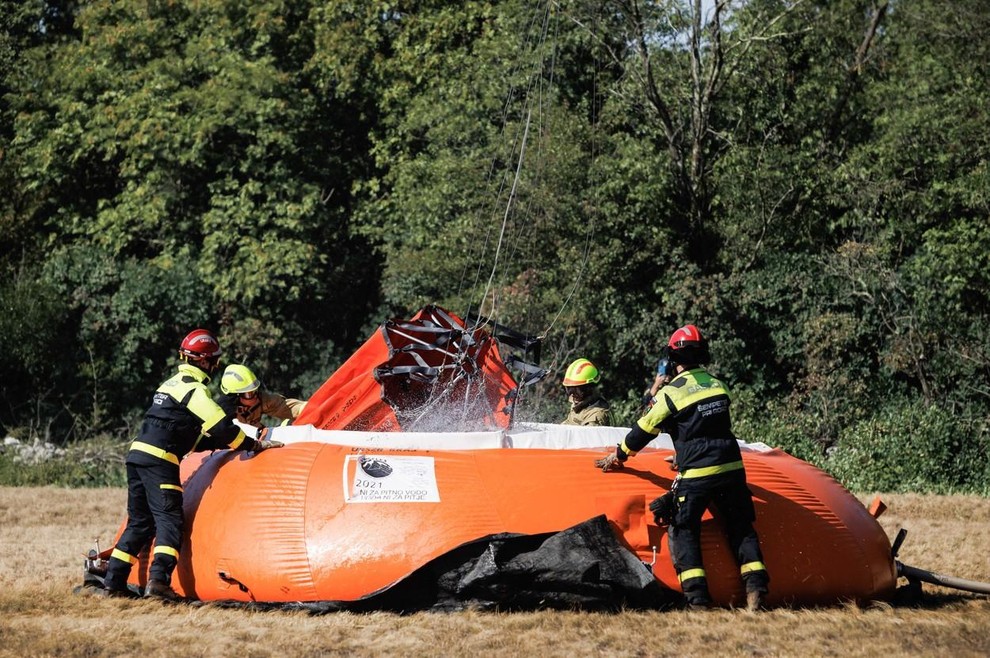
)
(479, 258)
(505, 216)
(586, 254)
(509, 241)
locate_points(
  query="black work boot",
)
(116, 587)
(159, 589)
(112, 593)
(699, 603)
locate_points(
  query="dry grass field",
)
(45, 531)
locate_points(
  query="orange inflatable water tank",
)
(335, 516)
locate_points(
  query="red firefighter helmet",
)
(202, 349)
(200, 344)
(688, 347)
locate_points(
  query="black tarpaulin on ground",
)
(581, 568)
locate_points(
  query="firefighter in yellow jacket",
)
(182, 418)
(588, 407)
(244, 397)
(694, 409)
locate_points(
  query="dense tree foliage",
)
(807, 180)
(184, 164)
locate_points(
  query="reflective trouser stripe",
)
(157, 452)
(712, 470)
(688, 574)
(752, 566)
(123, 557)
(167, 550)
(172, 487)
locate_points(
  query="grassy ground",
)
(45, 531)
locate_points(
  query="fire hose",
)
(916, 575)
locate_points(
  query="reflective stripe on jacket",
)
(182, 418)
(694, 409)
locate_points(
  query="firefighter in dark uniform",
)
(694, 409)
(182, 418)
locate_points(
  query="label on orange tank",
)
(390, 479)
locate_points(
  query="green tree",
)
(918, 202)
(195, 140)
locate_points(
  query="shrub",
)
(98, 462)
(776, 425)
(912, 448)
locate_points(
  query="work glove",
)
(663, 509)
(610, 462)
(264, 443)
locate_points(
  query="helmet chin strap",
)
(207, 365)
(580, 393)
(247, 408)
